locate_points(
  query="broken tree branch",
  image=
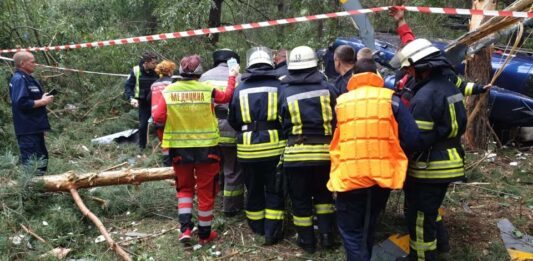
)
(86, 212)
(29, 231)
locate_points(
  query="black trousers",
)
(145, 112)
(423, 201)
(264, 202)
(33, 147)
(308, 192)
(354, 209)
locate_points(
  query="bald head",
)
(24, 61)
(364, 53)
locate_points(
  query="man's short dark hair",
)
(148, 56)
(365, 65)
(346, 54)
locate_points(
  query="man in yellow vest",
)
(191, 133)
(137, 90)
(374, 133)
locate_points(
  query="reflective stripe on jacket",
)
(137, 74)
(365, 150)
(190, 121)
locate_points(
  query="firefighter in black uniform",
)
(307, 107)
(438, 108)
(254, 114)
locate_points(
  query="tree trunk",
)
(69, 180)
(215, 15)
(478, 70)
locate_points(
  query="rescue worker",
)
(404, 88)
(307, 105)
(165, 70)
(344, 59)
(439, 111)
(374, 133)
(191, 133)
(137, 90)
(233, 194)
(260, 142)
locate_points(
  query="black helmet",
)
(223, 55)
(433, 61)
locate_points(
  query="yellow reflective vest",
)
(191, 122)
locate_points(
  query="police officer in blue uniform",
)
(29, 101)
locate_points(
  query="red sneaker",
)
(211, 237)
(185, 236)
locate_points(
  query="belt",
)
(308, 139)
(447, 144)
(261, 125)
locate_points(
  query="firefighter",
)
(233, 194)
(165, 70)
(307, 112)
(253, 112)
(368, 156)
(404, 88)
(137, 90)
(191, 133)
(344, 59)
(438, 108)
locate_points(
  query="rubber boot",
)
(306, 239)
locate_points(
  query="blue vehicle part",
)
(510, 108)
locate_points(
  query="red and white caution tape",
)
(459, 11)
(69, 69)
(238, 27)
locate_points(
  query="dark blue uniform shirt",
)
(24, 90)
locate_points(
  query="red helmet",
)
(191, 65)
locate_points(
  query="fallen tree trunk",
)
(69, 180)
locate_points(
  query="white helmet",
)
(302, 57)
(413, 52)
(259, 55)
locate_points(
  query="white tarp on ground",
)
(123, 136)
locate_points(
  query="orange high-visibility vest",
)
(365, 150)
